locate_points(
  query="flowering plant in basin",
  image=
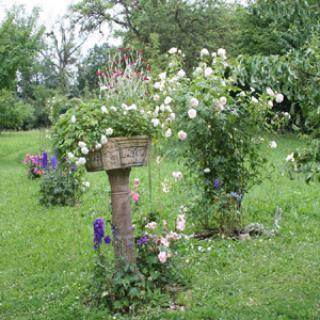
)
(123, 109)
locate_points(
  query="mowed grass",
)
(46, 255)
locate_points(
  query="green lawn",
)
(46, 255)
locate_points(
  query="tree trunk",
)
(121, 217)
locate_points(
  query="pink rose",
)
(162, 256)
(135, 196)
(151, 225)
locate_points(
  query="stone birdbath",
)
(117, 157)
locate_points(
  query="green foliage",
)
(59, 105)
(20, 42)
(14, 113)
(49, 279)
(156, 26)
(59, 187)
(221, 126)
(295, 74)
(275, 27)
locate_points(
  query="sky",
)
(51, 10)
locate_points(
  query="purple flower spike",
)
(98, 230)
(107, 240)
(143, 240)
(216, 184)
(44, 163)
(54, 162)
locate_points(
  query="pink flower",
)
(165, 242)
(181, 222)
(174, 236)
(163, 256)
(135, 196)
(151, 225)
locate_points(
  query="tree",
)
(61, 55)
(187, 25)
(20, 42)
(275, 27)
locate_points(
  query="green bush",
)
(59, 188)
(14, 113)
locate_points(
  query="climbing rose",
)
(192, 113)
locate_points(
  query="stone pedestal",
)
(116, 158)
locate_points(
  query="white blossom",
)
(173, 50)
(223, 100)
(279, 98)
(208, 71)
(84, 150)
(165, 187)
(182, 135)
(206, 170)
(162, 108)
(287, 115)
(270, 92)
(177, 175)
(162, 76)
(204, 52)
(194, 102)
(103, 139)
(255, 100)
(86, 184)
(222, 53)
(156, 97)
(70, 156)
(167, 108)
(290, 157)
(157, 85)
(172, 116)
(133, 107)
(113, 108)
(181, 74)
(103, 109)
(270, 103)
(167, 100)
(73, 119)
(98, 146)
(168, 133)
(192, 113)
(155, 122)
(82, 144)
(242, 94)
(81, 161)
(273, 145)
(109, 131)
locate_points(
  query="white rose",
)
(103, 109)
(82, 144)
(181, 74)
(194, 102)
(162, 76)
(109, 131)
(279, 98)
(162, 108)
(84, 150)
(103, 139)
(222, 52)
(70, 156)
(207, 72)
(270, 92)
(182, 135)
(168, 109)
(204, 52)
(273, 145)
(223, 101)
(98, 146)
(155, 122)
(172, 116)
(168, 133)
(254, 100)
(167, 100)
(156, 97)
(81, 161)
(192, 113)
(86, 184)
(157, 85)
(73, 119)
(290, 157)
(113, 108)
(173, 50)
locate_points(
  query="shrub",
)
(14, 113)
(60, 185)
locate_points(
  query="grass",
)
(46, 254)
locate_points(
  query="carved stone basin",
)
(120, 153)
